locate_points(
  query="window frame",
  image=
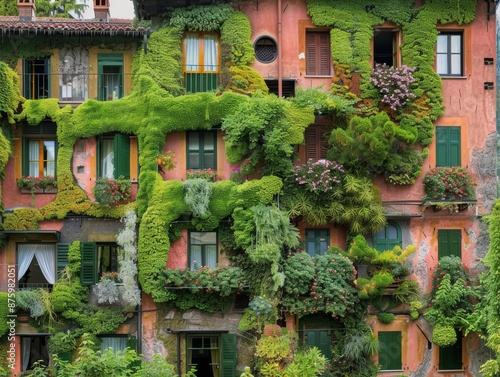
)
(390, 356)
(270, 43)
(448, 146)
(31, 80)
(317, 44)
(449, 243)
(109, 60)
(128, 341)
(201, 53)
(201, 149)
(203, 251)
(41, 161)
(448, 53)
(395, 48)
(383, 244)
(39, 352)
(121, 148)
(318, 234)
(455, 350)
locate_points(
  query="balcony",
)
(74, 87)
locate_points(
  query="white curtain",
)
(44, 254)
(117, 344)
(192, 52)
(108, 155)
(210, 46)
(34, 158)
(50, 150)
(26, 350)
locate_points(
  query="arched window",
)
(387, 238)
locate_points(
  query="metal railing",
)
(33, 286)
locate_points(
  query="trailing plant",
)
(449, 183)
(36, 183)
(127, 259)
(200, 18)
(393, 84)
(205, 289)
(110, 192)
(324, 284)
(198, 193)
(325, 102)
(31, 300)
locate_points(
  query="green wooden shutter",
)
(450, 358)
(320, 339)
(61, 257)
(121, 151)
(448, 146)
(89, 263)
(228, 355)
(389, 356)
(26, 154)
(449, 243)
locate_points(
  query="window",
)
(317, 241)
(201, 62)
(318, 61)
(36, 78)
(116, 343)
(110, 76)
(449, 243)
(107, 148)
(450, 358)
(39, 157)
(266, 50)
(211, 355)
(387, 238)
(34, 349)
(107, 258)
(317, 142)
(202, 249)
(321, 339)
(389, 354)
(36, 265)
(448, 146)
(449, 54)
(201, 150)
(287, 87)
(385, 47)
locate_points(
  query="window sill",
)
(391, 371)
(41, 191)
(453, 77)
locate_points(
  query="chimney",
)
(26, 9)
(101, 9)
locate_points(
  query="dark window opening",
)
(287, 87)
(36, 78)
(385, 47)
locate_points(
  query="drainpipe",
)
(280, 45)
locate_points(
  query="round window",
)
(266, 49)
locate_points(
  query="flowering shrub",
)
(166, 161)
(393, 83)
(319, 176)
(208, 174)
(37, 183)
(109, 192)
(449, 183)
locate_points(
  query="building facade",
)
(221, 174)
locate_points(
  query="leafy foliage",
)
(198, 192)
(110, 192)
(449, 183)
(200, 18)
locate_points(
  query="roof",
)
(68, 26)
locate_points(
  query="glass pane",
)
(111, 80)
(456, 64)
(49, 150)
(456, 44)
(107, 158)
(116, 344)
(323, 246)
(392, 232)
(210, 46)
(209, 141)
(442, 43)
(211, 256)
(196, 260)
(311, 248)
(209, 160)
(194, 160)
(34, 158)
(441, 63)
(194, 141)
(196, 342)
(192, 52)
(49, 168)
(203, 238)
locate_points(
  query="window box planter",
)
(451, 206)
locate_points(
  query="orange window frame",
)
(201, 54)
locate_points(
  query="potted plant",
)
(166, 161)
(110, 192)
(208, 174)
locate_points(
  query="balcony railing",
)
(74, 87)
(33, 286)
(196, 82)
